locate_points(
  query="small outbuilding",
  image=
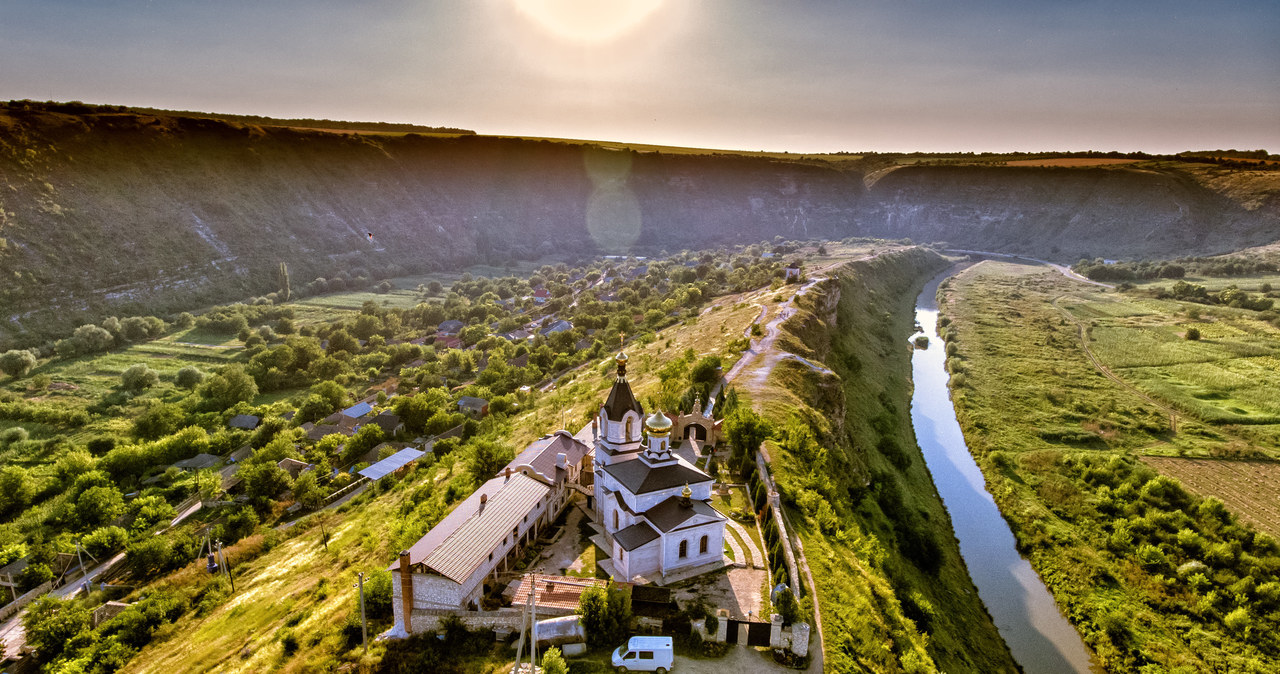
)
(476, 407)
(244, 422)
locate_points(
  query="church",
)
(653, 507)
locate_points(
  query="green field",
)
(1227, 377)
(1119, 545)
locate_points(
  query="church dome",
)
(658, 423)
(620, 358)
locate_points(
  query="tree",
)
(307, 491)
(17, 488)
(745, 431)
(282, 276)
(98, 505)
(605, 614)
(104, 541)
(263, 481)
(189, 377)
(365, 439)
(487, 458)
(51, 623)
(230, 386)
(17, 363)
(158, 421)
(138, 377)
(150, 555)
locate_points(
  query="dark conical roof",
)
(620, 397)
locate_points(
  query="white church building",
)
(653, 507)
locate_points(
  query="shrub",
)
(553, 662)
(1193, 334)
(13, 435)
(139, 377)
(104, 541)
(17, 363)
(189, 377)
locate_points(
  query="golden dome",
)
(686, 492)
(658, 423)
(620, 358)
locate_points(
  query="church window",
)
(702, 546)
(627, 437)
(662, 446)
(684, 549)
(615, 519)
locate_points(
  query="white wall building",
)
(654, 507)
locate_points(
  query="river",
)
(1039, 637)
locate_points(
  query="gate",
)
(756, 632)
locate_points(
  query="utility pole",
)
(533, 622)
(364, 626)
(227, 565)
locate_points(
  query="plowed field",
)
(1251, 489)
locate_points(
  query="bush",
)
(17, 363)
(139, 377)
(189, 377)
(1193, 334)
(104, 541)
(553, 662)
(13, 435)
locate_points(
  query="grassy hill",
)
(103, 211)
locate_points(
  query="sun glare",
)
(588, 21)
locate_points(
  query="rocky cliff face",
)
(123, 212)
(1068, 213)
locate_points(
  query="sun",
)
(588, 21)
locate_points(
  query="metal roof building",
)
(392, 463)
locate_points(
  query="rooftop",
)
(635, 536)
(541, 454)
(554, 592)
(456, 546)
(392, 463)
(641, 478)
(671, 514)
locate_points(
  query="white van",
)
(645, 654)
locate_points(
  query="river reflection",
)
(1040, 639)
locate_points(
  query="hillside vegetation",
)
(105, 212)
(892, 588)
(1155, 577)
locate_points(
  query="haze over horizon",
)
(802, 77)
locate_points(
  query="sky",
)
(797, 75)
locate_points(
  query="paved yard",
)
(740, 659)
(737, 590)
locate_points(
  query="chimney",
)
(562, 460)
(508, 475)
(484, 498)
(406, 592)
(562, 468)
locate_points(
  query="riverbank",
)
(1155, 579)
(891, 583)
(1039, 636)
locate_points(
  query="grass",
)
(864, 580)
(1048, 429)
(299, 576)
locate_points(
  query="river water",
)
(1039, 637)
